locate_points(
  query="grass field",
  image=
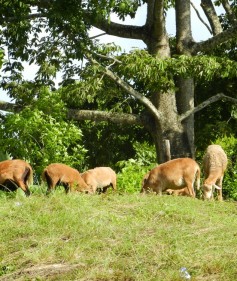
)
(116, 237)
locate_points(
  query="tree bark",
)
(168, 127)
(210, 13)
(185, 93)
(93, 115)
(99, 116)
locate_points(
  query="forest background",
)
(116, 107)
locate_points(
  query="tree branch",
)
(114, 60)
(206, 103)
(211, 15)
(183, 26)
(92, 115)
(229, 11)
(148, 104)
(116, 29)
(200, 18)
(110, 27)
(118, 118)
(214, 41)
(99, 116)
(145, 101)
(28, 17)
(96, 36)
(9, 107)
(155, 35)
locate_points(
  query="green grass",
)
(116, 237)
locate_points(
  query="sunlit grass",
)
(117, 237)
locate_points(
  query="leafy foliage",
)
(40, 135)
(229, 144)
(132, 171)
(106, 144)
(152, 73)
(54, 35)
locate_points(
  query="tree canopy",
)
(151, 89)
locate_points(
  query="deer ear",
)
(216, 186)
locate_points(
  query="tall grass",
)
(116, 237)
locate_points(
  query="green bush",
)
(229, 144)
(40, 134)
(132, 171)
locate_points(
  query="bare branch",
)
(92, 115)
(211, 15)
(213, 42)
(99, 116)
(200, 18)
(148, 104)
(207, 102)
(116, 29)
(119, 118)
(9, 107)
(107, 57)
(96, 36)
(28, 17)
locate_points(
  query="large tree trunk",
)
(169, 127)
(185, 94)
(173, 105)
(185, 102)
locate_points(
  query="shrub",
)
(229, 144)
(132, 171)
(40, 134)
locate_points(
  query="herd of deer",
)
(179, 176)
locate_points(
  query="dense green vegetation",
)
(116, 237)
(115, 108)
(152, 95)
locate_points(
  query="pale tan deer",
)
(100, 178)
(214, 165)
